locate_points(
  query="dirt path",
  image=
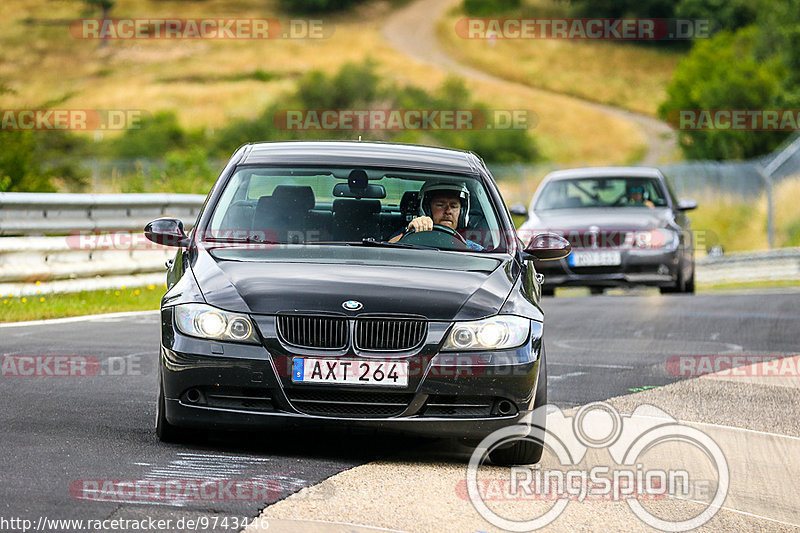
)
(412, 31)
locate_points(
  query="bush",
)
(20, 168)
(486, 8)
(316, 6)
(155, 136)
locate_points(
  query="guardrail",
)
(63, 214)
(780, 264)
(70, 242)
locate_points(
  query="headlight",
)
(497, 333)
(201, 320)
(657, 238)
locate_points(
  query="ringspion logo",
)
(635, 473)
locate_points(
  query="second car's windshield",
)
(601, 192)
(354, 206)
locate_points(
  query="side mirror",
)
(519, 210)
(686, 204)
(547, 247)
(166, 231)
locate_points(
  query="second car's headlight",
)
(657, 238)
(201, 320)
(497, 333)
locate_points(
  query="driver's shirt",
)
(472, 245)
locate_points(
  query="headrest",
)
(409, 204)
(300, 197)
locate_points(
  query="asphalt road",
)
(58, 432)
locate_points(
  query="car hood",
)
(627, 218)
(281, 281)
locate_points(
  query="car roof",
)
(610, 172)
(363, 154)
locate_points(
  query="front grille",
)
(590, 270)
(349, 403)
(389, 334)
(614, 239)
(458, 406)
(314, 331)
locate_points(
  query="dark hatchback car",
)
(288, 306)
(625, 226)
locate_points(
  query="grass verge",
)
(44, 306)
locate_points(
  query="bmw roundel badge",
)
(352, 305)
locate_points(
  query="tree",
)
(724, 73)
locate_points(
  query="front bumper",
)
(243, 386)
(646, 267)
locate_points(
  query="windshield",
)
(354, 206)
(601, 192)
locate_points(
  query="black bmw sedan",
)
(353, 283)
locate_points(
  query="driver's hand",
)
(421, 224)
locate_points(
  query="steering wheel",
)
(425, 237)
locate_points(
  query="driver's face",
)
(445, 210)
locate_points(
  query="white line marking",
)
(735, 511)
(723, 426)
(75, 319)
(569, 375)
(589, 365)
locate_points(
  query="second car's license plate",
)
(581, 259)
(350, 372)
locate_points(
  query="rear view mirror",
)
(548, 247)
(344, 190)
(519, 210)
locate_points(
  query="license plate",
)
(350, 372)
(583, 259)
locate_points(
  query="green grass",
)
(777, 284)
(43, 306)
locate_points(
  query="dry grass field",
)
(615, 73)
(209, 82)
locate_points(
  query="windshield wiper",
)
(386, 244)
(246, 240)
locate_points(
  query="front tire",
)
(528, 451)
